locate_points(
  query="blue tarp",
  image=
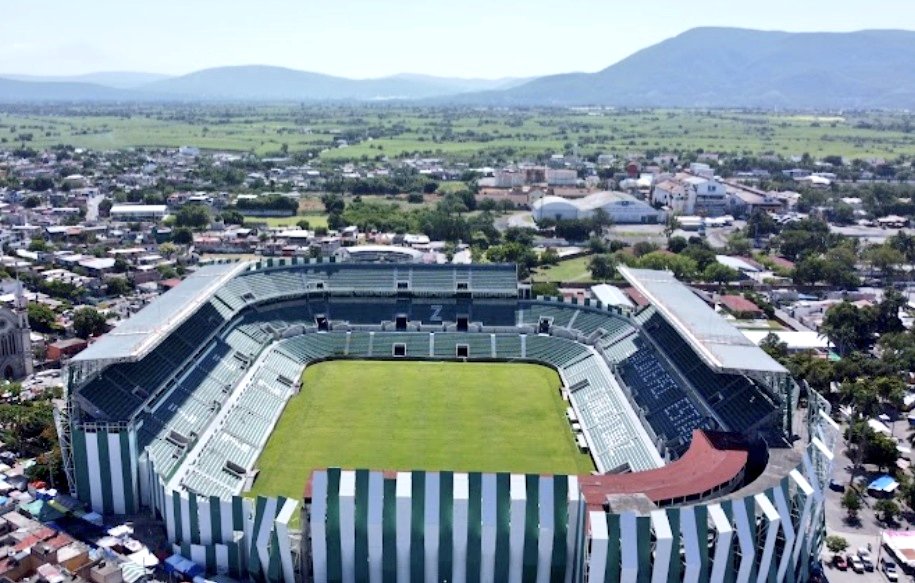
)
(179, 564)
(884, 483)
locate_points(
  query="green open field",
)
(568, 270)
(475, 135)
(420, 415)
(315, 220)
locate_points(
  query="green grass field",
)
(420, 415)
(569, 270)
(315, 220)
(467, 134)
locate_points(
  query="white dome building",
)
(621, 207)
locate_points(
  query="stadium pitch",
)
(409, 415)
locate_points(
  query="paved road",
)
(857, 535)
(92, 207)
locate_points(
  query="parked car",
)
(856, 564)
(865, 555)
(889, 569)
(836, 485)
(839, 561)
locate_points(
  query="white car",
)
(889, 569)
(856, 564)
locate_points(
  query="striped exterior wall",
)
(771, 536)
(441, 526)
(239, 537)
(106, 469)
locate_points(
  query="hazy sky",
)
(372, 38)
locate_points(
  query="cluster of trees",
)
(447, 221)
(275, 202)
(852, 328)
(689, 260)
(28, 428)
(578, 229)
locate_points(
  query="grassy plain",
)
(376, 132)
(420, 415)
(568, 270)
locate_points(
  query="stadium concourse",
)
(690, 426)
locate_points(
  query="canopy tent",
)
(884, 484)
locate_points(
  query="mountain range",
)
(703, 67)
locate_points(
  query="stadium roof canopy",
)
(135, 337)
(719, 343)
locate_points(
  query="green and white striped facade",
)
(239, 537)
(442, 526)
(480, 528)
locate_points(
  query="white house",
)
(692, 195)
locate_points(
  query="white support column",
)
(689, 533)
(459, 524)
(781, 504)
(547, 530)
(629, 548)
(488, 529)
(375, 526)
(574, 530)
(95, 472)
(318, 525)
(404, 514)
(206, 521)
(803, 530)
(723, 545)
(745, 525)
(348, 526)
(117, 474)
(664, 542)
(518, 509)
(770, 515)
(432, 526)
(600, 540)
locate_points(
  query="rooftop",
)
(135, 337)
(720, 344)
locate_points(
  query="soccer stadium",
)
(294, 420)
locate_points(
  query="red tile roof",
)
(712, 460)
(736, 304)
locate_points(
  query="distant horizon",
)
(39, 77)
(365, 39)
(6, 74)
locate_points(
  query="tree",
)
(836, 544)
(31, 201)
(41, 317)
(549, 257)
(884, 258)
(104, 207)
(168, 249)
(601, 267)
(720, 274)
(303, 224)
(643, 248)
(888, 508)
(848, 327)
(118, 286)
(670, 225)
(516, 253)
(682, 267)
(182, 236)
(851, 502)
(232, 217)
(676, 244)
(88, 322)
(194, 216)
(333, 203)
(774, 347)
